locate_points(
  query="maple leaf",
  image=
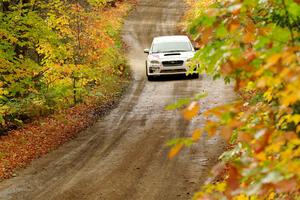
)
(191, 111)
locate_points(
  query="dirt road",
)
(123, 157)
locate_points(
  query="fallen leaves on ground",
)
(19, 147)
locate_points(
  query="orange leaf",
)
(206, 35)
(249, 38)
(298, 129)
(233, 178)
(236, 11)
(211, 128)
(262, 142)
(191, 111)
(226, 132)
(245, 137)
(175, 150)
(227, 68)
(250, 27)
(290, 135)
(197, 135)
(234, 25)
(273, 59)
(239, 84)
(250, 56)
(260, 156)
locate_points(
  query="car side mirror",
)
(146, 51)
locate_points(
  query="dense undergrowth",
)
(58, 53)
(256, 45)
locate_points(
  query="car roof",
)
(173, 38)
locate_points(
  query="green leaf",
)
(200, 96)
(280, 34)
(221, 31)
(294, 9)
(179, 104)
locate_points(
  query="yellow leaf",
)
(293, 167)
(220, 187)
(271, 196)
(268, 95)
(249, 37)
(295, 118)
(175, 150)
(288, 58)
(289, 100)
(273, 59)
(191, 111)
(275, 147)
(241, 197)
(261, 156)
(197, 135)
(298, 129)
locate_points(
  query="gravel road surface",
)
(123, 156)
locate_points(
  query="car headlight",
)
(154, 62)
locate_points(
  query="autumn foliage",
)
(55, 54)
(61, 64)
(256, 45)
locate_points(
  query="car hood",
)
(171, 56)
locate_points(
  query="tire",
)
(150, 78)
(195, 76)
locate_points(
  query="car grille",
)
(172, 63)
(172, 70)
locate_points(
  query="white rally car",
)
(169, 55)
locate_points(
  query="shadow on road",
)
(178, 77)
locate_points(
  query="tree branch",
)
(288, 22)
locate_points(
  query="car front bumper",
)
(157, 71)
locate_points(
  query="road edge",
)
(59, 128)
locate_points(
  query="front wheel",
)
(150, 78)
(194, 76)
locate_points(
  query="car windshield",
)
(163, 47)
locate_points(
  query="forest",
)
(55, 54)
(62, 64)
